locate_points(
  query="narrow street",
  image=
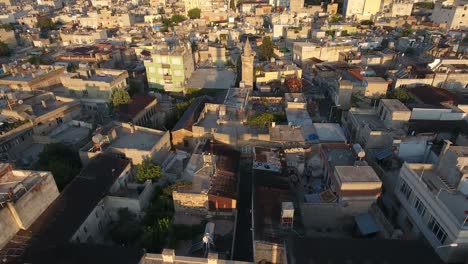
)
(243, 241)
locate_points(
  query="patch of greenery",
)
(119, 96)
(336, 18)
(265, 119)
(194, 13)
(266, 49)
(426, 5)
(5, 51)
(147, 170)
(367, 23)
(399, 94)
(62, 161)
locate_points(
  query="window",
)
(437, 230)
(419, 206)
(405, 190)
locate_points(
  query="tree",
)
(294, 85)
(147, 170)
(261, 120)
(400, 94)
(45, 23)
(34, 60)
(384, 43)
(62, 161)
(232, 5)
(176, 18)
(194, 13)
(4, 49)
(266, 48)
(336, 18)
(126, 230)
(7, 26)
(119, 96)
(367, 23)
(154, 236)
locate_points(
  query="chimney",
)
(132, 128)
(212, 258)
(447, 144)
(168, 255)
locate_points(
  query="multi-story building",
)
(24, 195)
(361, 9)
(27, 77)
(8, 37)
(452, 14)
(57, 4)
(106, 19)
(169, 67)
(433, 202)
(89, 84)
(247, 58)
(307, 50)
(276, 70)
(82, 37)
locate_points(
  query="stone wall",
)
(193, 203)
(271, 252)
(8, 226)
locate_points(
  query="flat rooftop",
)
(212, 79)
(140, 139)
(341, 155)
(356, 174)
(17, 179)
(394, 105)
(454, 200)
(370, 119)
(298, 117)
(71, 135)
(330, 132)
(51, 105)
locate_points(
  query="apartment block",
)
(451, 14)
(169, 67)
(433, 202)
(27, 77)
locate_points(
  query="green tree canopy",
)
(45, 23)
(62, 161)
(232, 4)
(147, 170)
(367, 23)
(194, 13)
(261, 120)
(126, 230)
(119, 96)
(7, 26)
(266, 48)
(176, 18)
(336, 18)
(34, 60)
(4, 49)
(400, 94)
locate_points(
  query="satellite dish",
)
(97, 138)
(20, 101)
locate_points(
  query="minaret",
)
(247, 58)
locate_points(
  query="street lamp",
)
(331, 111)
(448, 245)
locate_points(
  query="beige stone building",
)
(27, 77)
(130, 141)
(168, 256)
(8, 37)
(24, 196)
(89, 84)
(82, 37)
(307, 50)
(106, 19)
(452, 14)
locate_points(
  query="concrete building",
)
(247, 58)
(213, 174)
(26, 77)
(8, 37)
(361, 9)
(307, 50)
(378, 128)
(451, 14)
(142, 110)
(80, 37)
(276, 70)
(106, 19)
(56, 4)
(169, 67)
(433, 202)
(94, 85)
(24, 196)
(129, 141)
